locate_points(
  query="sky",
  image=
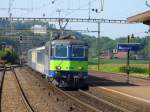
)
(113, 9)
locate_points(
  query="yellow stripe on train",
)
(67, 65)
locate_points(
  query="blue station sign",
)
(129, 46)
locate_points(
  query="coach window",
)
(40, 57)
(61, 51)
(52, 51)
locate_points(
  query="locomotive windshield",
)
(78, 51)
(61, 51)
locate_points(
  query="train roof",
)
(40, 48)
(37, 49)
(67, 40)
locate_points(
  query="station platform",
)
(138, 88)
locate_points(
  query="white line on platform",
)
(137, 98)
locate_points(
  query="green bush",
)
(2, 54)
(133, 70)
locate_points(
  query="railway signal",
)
(20, 39)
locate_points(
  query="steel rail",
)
(1, 85)
(59, 91)
(104, 101)
(20, 90)
(89, 106)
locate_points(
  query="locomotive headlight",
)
(58, 68)
(80, 68)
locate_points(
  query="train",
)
(63, 61)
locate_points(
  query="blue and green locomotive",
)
(63, 61)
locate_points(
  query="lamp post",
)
(20, 42)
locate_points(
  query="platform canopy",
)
(140, 18)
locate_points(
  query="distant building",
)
(106, 55)
(5, 45)
(120, 55)
(39, 29)
(2, 45)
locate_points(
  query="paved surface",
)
(138, 89)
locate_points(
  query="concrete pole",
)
(98, 52)
(149, 52)
(149, 60)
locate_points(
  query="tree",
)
(9, 55)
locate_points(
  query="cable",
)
(35, 9)
(83, 6)
(54, 9)
(147, 4)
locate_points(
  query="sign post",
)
(127, 47)
(128, 62)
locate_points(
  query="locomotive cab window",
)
(78, 51)
(61, 51)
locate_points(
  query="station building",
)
(145, 19)
(140, 18)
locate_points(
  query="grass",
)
(138, 67)
(116, 61)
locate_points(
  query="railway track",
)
(17, 87)
(24, 98)
(96, 102)
(1, 83)
(74, 103)
(84, 99)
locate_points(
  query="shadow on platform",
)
(100, 81)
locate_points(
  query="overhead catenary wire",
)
(50, 3)
(60, 1)
(139, 33)
(54, 5)
(30, 10)
(83, 6)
